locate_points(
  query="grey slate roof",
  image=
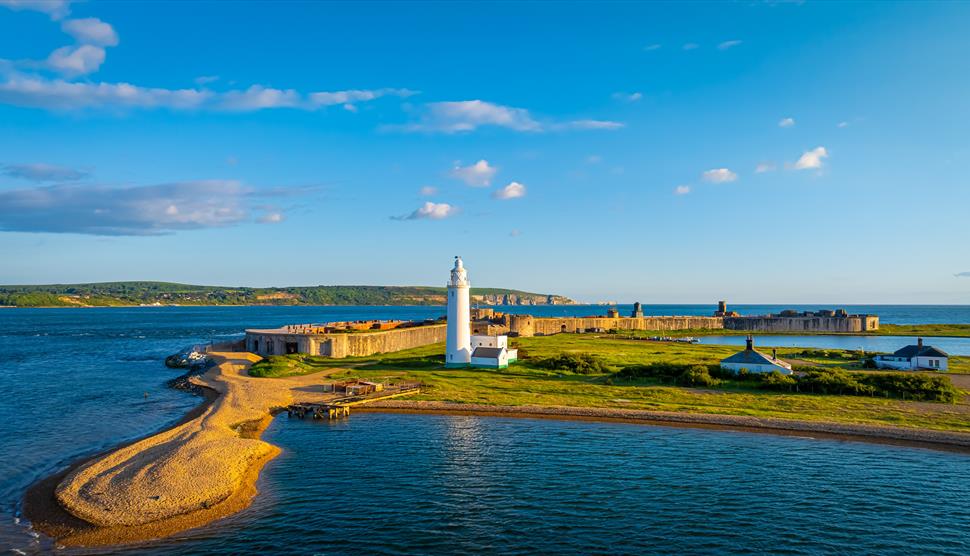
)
(749, 357)
(753, 357)
(487, 352)
(915, 351)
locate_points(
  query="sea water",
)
(77, 381)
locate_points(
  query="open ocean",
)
(73, 382)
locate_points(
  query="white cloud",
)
(428, 190)
(763, 167)
(469, 115)
(627, 97)
(432, 211)
(271, 218)
(139, 210)
(728, 44)
(811, 159)
(682, 190)
(43, 172)
(651, 47)
(355, 96)
(719, 175)
(962, 274)
(691, 46)
(258, 97)
(588, 124)
(786, 122)
(206, 79)
(91, 30)
(594, 159)
(76, 60)
(55, 9)
(843, 124)
(58, 94)
(479, 174)
(515, 233)
(513, 190)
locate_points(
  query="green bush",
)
(912, 386)
(697, 375)
(579, 363)
(776, 381)
(807, 380)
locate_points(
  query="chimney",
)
(919, 343)
(749, 343)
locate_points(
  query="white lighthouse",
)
(458, 351)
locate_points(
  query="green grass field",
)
(525, 384)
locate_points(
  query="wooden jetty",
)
(340, 407)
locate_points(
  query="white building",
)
(492, 352)
(754, 361)
(458, 351)
(461, 348)
(911, 358)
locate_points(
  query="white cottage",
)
(911, 358)
(492, 352)
(754, 361)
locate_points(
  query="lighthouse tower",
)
(458, 350)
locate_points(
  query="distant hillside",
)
(108, 294)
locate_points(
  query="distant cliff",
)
(108, 294)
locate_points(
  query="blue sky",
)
(755, 151)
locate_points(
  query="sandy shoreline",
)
(205, 467)
(201, 469)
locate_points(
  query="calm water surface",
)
(74, 381)
(887, 344)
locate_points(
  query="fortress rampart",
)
(527, 325)
(803, 323)
(360, 344)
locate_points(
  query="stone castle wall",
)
(777, 323)
(526, 325)
(267, 342)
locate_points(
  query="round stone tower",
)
(458, 351)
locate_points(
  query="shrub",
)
(697, 375)
(580, 363)
(777, 381)
(832, 381)
(912, 386)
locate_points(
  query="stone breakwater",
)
(872, 433)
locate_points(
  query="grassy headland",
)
(529, 383)
(113, 294)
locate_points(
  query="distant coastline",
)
(159, 294)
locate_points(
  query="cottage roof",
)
(910, 352)
(754, 357)
(487, 352)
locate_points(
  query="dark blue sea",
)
(74, 382)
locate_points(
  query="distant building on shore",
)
(754, 361)
(915, 357)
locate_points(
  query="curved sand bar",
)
(196, 465)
